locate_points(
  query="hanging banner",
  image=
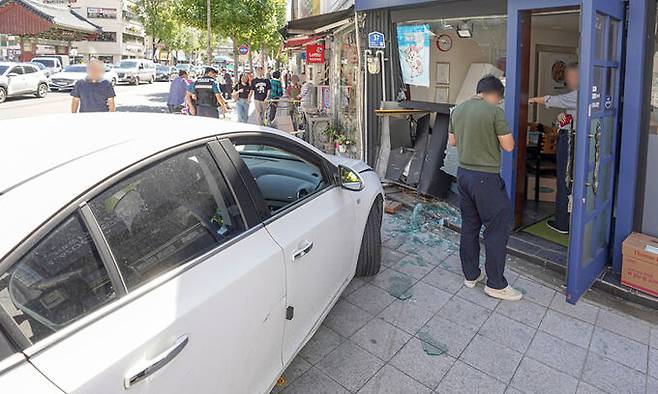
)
(414, 53)
(315, 53)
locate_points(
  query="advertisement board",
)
(414, 49)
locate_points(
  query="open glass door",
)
(596, 139)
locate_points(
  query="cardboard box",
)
(547, 188)
(639, 268)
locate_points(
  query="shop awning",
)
(365, 5)
(318, 23)
(52, 21)
(299, 41)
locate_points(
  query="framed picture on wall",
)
(442, 73)
(442, 94)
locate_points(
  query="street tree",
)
(159, 20)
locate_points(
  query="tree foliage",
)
(158, 18)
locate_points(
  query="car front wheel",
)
(3, 94)
(42, 90)
(370, 255)
(136, 82)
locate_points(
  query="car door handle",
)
(303, 251)
(153, 365)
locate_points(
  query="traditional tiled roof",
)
(59, 15)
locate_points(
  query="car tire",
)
(136, 83)
(3, 94)
(114, 82)
(370, 255)
(42, 90)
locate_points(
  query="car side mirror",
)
(12, 75)
(349, 179)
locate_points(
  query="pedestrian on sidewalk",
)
(93, 94)
(276, 92)
(228, 84)
(261, 87)
(207, 94)
(177, 93)
(479, 130)
(242, 93)
(564, 148)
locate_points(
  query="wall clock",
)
(444, 43)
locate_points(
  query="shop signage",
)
(376, 40)
(315, 53)
(414, 54)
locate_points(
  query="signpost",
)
(376, 40)
(243, 53)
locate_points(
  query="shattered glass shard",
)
(430, 345)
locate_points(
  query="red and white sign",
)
(315, 53)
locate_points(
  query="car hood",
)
(356, 165)
(69, 75)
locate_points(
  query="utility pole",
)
(209, 48)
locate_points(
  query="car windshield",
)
(162, 68)
(127, 65)
(45, 62)
(40, 65)
(3, 69)
(75, 69)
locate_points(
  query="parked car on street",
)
(171, 254)
(53, 64)
(19, 79)
(191, 72)
(43, 68)
(165, 73)
(71, 74)
(136, 71)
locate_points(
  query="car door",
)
(32, 78)
(310, 218)
(16, 83)
(194, 299)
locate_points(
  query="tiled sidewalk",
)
(371, 340)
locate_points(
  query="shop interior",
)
(462, 51)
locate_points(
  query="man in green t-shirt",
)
(479, 130)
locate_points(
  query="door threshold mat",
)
(541, 230)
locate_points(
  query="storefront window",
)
(346, 71)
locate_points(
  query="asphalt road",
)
(143, 98)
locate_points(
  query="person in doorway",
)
(177, 93)
(276, 92)
(564, 146)
(242, 93)
(306, 95)
(207, 94)
(261, 88)
(479, 130)
(93, 94)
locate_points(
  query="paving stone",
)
(652, 385)
(392, 281)
(392, 241)
(428, 297)
(314, 381)
(627, 326)
(511, 276)
(425, 368)
(525, 311)
(405, 315)
(557, 353)
(564, 327)
(413, 266)
(462, 378)
(535, 377)
(582, 310)
(350, 366)
(444, 280)
(492, 358)
(611, 376)
(621, 349)
(297, 368)
(464, 313)
(381, 338)
(454, 336)
(477, 296)
(654, 337)
(513, 390)
(508, 332)
(346, 318)
(354, 285)
(653, 362)
(323, 342)
(586, 388)
(371, 298)
(534, 291)
(390, 256)
(452, 263)
(391, 381)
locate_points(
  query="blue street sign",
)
(243, 50)
(376, 40)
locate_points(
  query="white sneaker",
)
(509, 293)
(471, 283)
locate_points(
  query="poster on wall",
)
(414, 49)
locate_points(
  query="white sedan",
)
(66, 79)
(169, 254)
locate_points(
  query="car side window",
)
(282, 176)
(58, 281)
(166, 215)
(29, 69)
(16, 70)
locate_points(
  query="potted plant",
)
(330, 134)
(343, 143)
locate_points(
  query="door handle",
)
(153, 365)
(303, 251)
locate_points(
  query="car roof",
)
(54, 159)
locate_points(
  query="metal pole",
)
(367, 53)
(209, 48)
(383, 67)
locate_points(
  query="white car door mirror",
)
(350, 179)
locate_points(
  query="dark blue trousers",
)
(561, 192)
(483, 201)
